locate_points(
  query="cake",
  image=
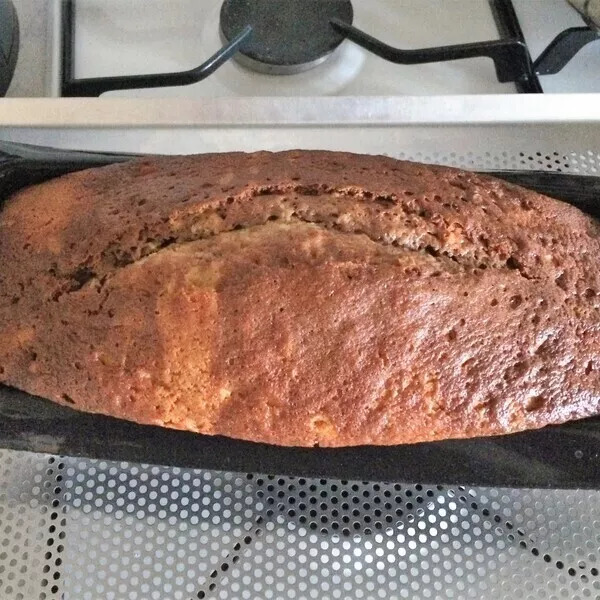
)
(301, 298)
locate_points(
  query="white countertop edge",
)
(258, 111)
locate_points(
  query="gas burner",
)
(288, 36)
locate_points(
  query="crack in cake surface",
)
(202, 226)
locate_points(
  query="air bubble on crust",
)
(515, 301)
(561, 281)
(534, 403)
(66, 398)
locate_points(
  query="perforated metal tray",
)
(81, 529)
(564, 456)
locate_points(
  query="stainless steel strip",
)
(355, 110)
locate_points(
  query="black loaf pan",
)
(566, 456)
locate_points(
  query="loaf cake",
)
(301, 298)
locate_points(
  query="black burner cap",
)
(288, 36)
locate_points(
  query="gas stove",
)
(228, 48)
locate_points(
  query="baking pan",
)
(566, 456)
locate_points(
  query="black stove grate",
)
(252, 44)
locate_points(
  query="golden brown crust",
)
(301, 298)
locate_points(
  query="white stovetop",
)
(116, 37)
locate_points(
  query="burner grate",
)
(79, 528)
(283, 37)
